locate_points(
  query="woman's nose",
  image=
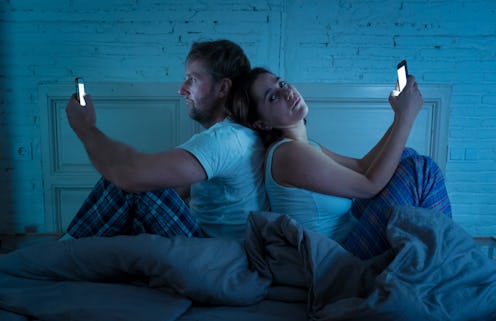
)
(288, 93)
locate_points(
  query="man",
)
(223, 164)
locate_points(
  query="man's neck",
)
(209, 124)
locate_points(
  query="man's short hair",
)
(224, 58)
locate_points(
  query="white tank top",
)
(326, 214)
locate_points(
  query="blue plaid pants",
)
(418, 181)
(109, 211)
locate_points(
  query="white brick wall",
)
(449, 42)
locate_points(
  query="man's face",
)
(201, 93)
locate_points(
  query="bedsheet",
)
(434, 271)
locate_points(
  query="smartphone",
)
(402, 75)
(80, 91)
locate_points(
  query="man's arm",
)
(126, 167)
(184, 192)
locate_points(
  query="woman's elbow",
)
(371, 190)
(368, 194)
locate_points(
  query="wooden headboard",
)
(347, 118)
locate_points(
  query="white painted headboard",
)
(350, 119)
(346, 118)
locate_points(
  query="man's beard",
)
(204, 116)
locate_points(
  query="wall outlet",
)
(23, 151)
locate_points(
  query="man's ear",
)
(260, 125)
(225, 85)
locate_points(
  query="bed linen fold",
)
(434, 271)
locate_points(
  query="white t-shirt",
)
(232, 155)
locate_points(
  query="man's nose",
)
(182, 90)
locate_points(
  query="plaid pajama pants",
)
(109, 211)
(418, 181)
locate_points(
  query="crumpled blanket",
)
(434, 271)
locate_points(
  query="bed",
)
(434, 271)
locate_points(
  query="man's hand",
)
(81, 118)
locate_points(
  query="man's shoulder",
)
(229, 123)
(222, 133)
(228, 126)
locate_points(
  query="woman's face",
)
(279, 104)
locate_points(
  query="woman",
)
(316, 186)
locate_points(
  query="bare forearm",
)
(406, 106)
(134, 171)
(111, 159)
(366, 161)
(126, 167)
(105, 154)
(361, 165)
(388, 156)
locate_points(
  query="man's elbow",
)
(123, 184)
(124, 181)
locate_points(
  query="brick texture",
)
(448, 42)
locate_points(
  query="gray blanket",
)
(435, 271)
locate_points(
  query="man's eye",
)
(283, 84)
(273, 97)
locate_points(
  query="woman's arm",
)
(300, 165)
(359, 164)
(126, 167)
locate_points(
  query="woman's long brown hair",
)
(244, 108)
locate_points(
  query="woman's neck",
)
(297, 132)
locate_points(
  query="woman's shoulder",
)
(292, 161)
(290, 145)
(282, 147)
(275, 145)
(292, 151)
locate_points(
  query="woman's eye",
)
(283, 84)
(272, 98)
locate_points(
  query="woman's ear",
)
(260, 125)
(225, 85)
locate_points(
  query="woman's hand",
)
(409, 102)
